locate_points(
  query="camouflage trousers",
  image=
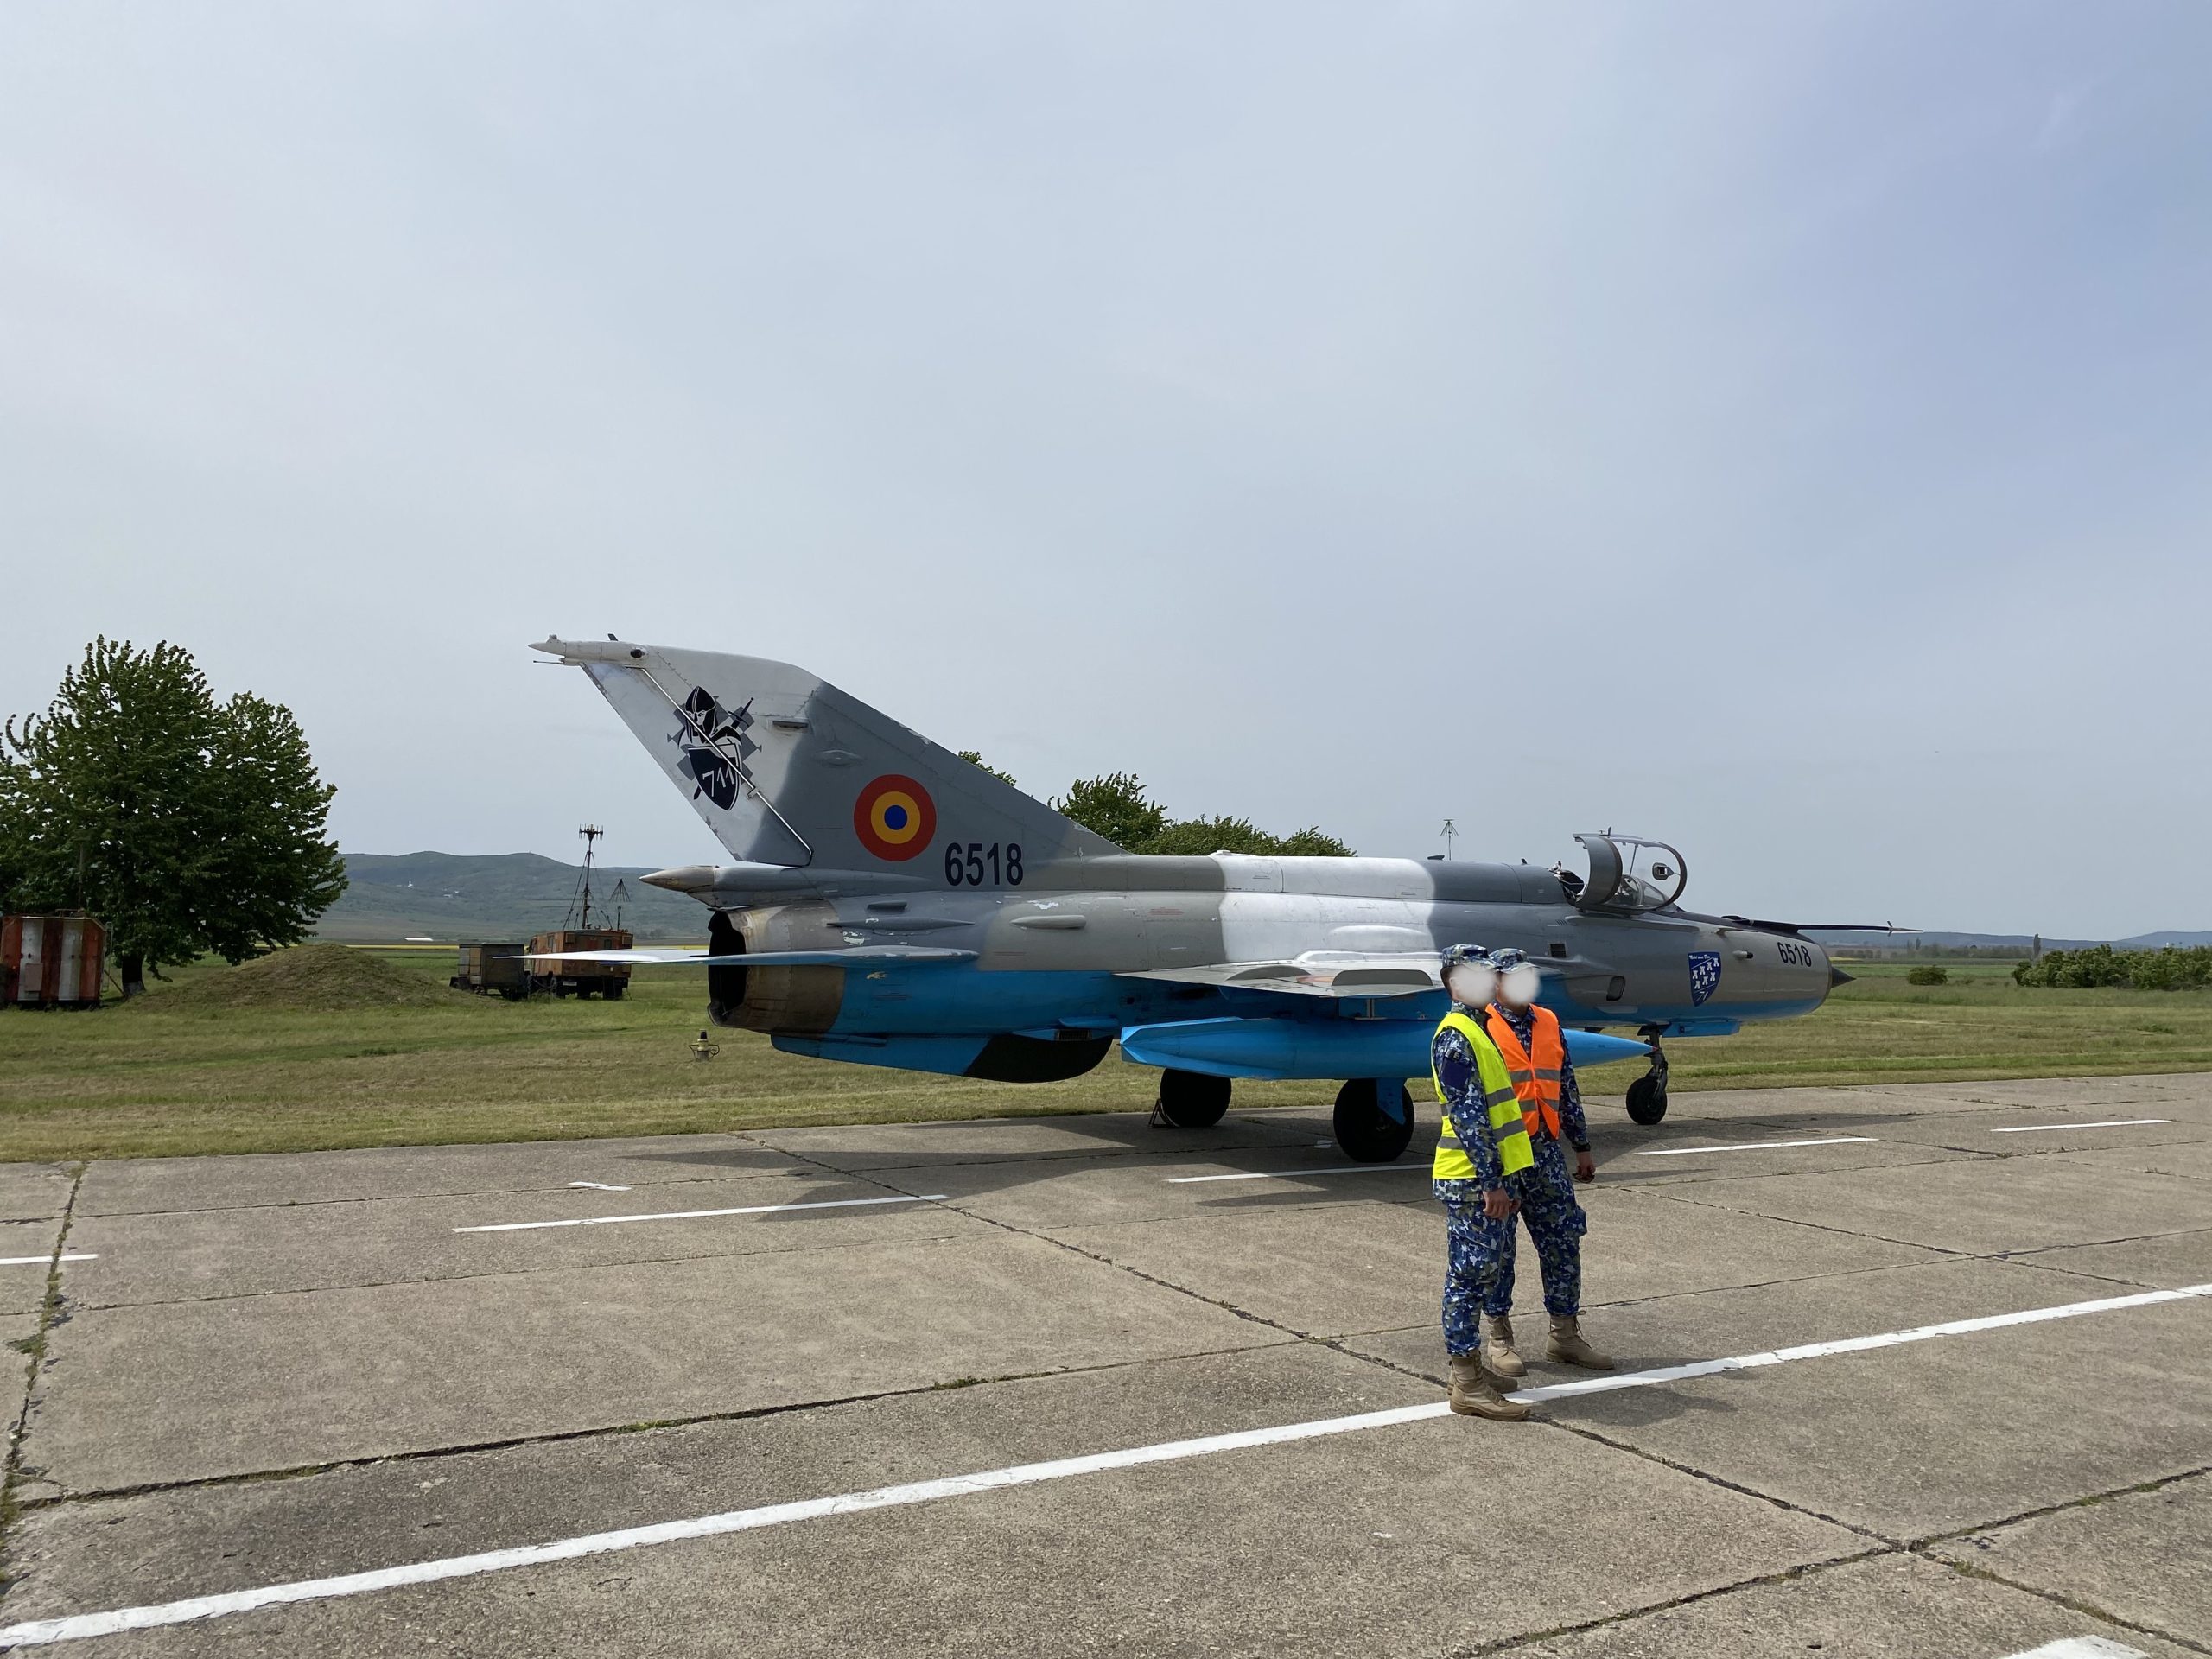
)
(1556, 1224)
(1480, 1253)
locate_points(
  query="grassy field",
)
(176, 1073)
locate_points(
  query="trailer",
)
(493, 969)
(606, 979)
(51, 961)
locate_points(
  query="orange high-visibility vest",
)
(1535, 1076)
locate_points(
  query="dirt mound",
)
(313, 976)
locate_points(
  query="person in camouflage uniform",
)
(1548, 1204)
(1474, 1176)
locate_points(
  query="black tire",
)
(1367, 1133)
(613, 992)
(1191, 1100)
(1647, 1101)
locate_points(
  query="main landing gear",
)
(1190, 1100)
(1374, 1121)
(1647, 1095)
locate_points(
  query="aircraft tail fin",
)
(786, 769)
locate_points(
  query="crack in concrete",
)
(49, 1314)
(2072, 1603)
(512, 1272)
(1920, 1550)
(556, 1437)
(1119, 1267)
(1757, 1580)
(1822, 1227)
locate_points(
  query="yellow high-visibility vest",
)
(1503, 1104)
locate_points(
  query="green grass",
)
(174, 1074)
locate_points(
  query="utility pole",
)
(590, 832)
(1449, 830)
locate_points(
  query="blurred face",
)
(1519, 985)
(1471, 984)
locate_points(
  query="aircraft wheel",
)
(1647, 1101)
(1191, 1100)
(1369, 1128)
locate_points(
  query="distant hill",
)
(452, 897)
(2020, 942)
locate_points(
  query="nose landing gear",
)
(1647, 1095)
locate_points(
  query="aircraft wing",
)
(859, 955)
(1316, 973)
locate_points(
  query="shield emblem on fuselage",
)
(1705, 976)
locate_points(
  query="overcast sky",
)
(1783, 430)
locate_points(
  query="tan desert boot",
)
(1473, 1395)
(1497, 1348)
(1567, 1347)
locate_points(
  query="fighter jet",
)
(890, 904)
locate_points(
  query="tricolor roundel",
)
(894, 816)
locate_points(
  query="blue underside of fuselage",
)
(938, 1018)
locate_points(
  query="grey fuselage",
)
(1056, 951)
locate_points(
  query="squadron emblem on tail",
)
(709, 733)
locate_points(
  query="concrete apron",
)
(224, 1333)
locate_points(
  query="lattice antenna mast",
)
(590, 832)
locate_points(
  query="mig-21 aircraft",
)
(891, 904)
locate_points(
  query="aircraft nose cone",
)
(1837, 976)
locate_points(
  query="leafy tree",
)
(1118, 807)
(1195, 837)
(185, 825)
(1314, 841)
(2169, 968)
(974, 757)
(1114, 806)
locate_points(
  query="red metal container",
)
(51, 961)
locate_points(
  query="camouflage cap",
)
(1458, 955)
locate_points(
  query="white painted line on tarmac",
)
(40, 1261)
(2109, 1123)
(598, 1187)
(2082, 1647)
(1292, 1174)
(39, 1632)
(696, 1215)
(1754, 1146)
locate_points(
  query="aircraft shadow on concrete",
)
(1118, 1136)
(1280, 1138)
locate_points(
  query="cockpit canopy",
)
(1627, 872)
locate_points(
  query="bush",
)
(2173, 968)
(1928, 974)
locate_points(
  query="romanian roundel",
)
(894, 816)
